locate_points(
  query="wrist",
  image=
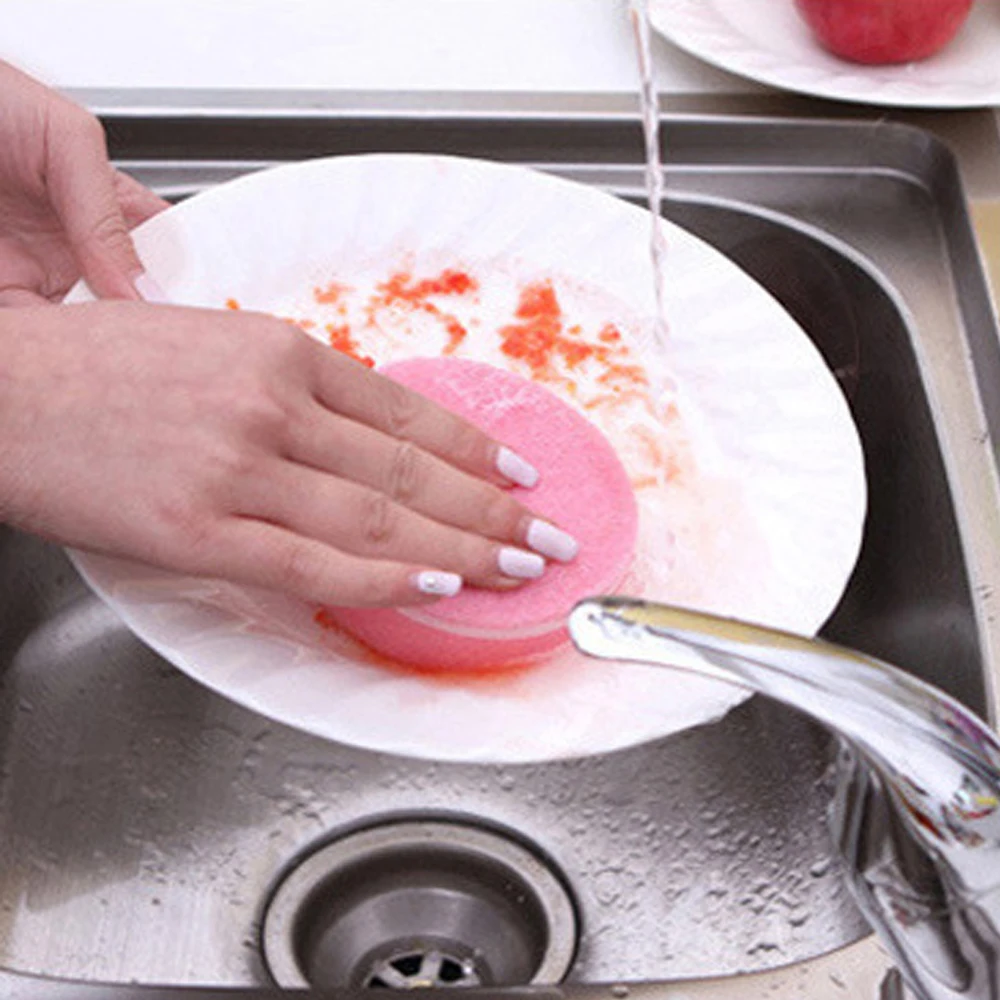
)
(16, 381)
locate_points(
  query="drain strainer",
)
(419, 904)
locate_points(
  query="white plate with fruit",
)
(902, 53)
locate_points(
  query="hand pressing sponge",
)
(583, 489)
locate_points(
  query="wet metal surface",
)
(430, 903)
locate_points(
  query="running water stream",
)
(661, 383)
(649, 105)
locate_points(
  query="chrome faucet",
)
(916, 815)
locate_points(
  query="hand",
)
(64, 211)
(232, 445)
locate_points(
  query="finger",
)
(23, 278)
(44, 267)
(366, 523)
(265, 555)
(81, 184)
(136, 201)
(356, 392)
(422, 482)
(21, 298)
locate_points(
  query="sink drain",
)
(419, 904)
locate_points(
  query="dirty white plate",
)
(761, 516)
(767, 41)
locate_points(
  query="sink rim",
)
(977, 574)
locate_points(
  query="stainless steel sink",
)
(153, 832)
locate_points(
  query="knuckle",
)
(406, 472)
(261, 417)
(109, 229)
(500, 516)
(231, 467)
(379, 520)
(277, 336)
(284, 350)
(298, 570)
(186, 533)
(73, 120)
(474, 557)
(92, 129)
(400, 408)
(467, 445)
(258, 401)
(373, 590)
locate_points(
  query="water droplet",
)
(619, 991)
(763, 947)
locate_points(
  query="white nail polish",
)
(438, 584)
(516, 469)
(551, 541)
(520, 564)
(149, 289)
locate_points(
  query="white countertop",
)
(396, 45)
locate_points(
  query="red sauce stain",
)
(483, 677)
(324, 619)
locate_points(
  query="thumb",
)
(81, 186)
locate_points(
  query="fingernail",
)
(520, 564)
(148, 288)
(438, 584)
(516, 469)
(551, 541)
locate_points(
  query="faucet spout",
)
(916, 816)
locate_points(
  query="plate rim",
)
(492, 754)
(694, 25)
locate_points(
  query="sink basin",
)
(154, 832)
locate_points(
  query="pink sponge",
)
(583, 489)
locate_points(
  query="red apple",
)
(884, 31)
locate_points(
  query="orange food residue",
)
(330, 294)
(540, 339)
(449, 282)
(401, 289)
(340, 338)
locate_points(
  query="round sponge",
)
(583, 489)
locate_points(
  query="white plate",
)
(762, 519)
(767, 41)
